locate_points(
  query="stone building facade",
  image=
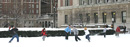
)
(94, 12)
(27, 13)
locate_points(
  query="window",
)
(29, 0)
(37, 6)
(37, 0)
(66, 19)
(29, 5)
(104, 17)
(81, 2)
(0, 11)
(107, 1)
(0, 5)
(66, 2)
(88, 17)
(32, 11)
(95, 17)
(32, 0)
(123, 16)
(113, 17)
(37, 11)
(81, 18)
(98, 1)
(29, 11)
(32, 5)
(116, 0)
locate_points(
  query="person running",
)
(76, 32)
(124, 29)
(67, 31)
(43, 34)
(87, 33)
(14, 33)
(104, 31)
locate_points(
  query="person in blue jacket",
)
(67, 31)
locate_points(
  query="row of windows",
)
(31, 5)
(10, 0)
(19, 0)
(67, 2)
(88, 2)
(104, 17)
(31, 0)
(31, 11)
(44, 24)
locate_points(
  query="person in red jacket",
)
(43, 34)
(117, 31)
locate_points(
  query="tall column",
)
(90, 1)
(109, 1)
(86, 2)
(93, 1)
(101, 1)
(119, 0)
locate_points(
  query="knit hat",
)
(85, 28)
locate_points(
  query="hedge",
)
(5, 34)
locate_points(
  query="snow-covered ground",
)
(96, 41)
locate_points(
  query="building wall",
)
(103, 6)
(26, 11)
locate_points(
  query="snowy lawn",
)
(96, 41)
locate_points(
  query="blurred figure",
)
(124, 29)
(67, 31)
(76, 32)
(43, 34)
(117, 31)
(14, 31)
(87, 33)
(104, 31)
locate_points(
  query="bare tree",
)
(15, 11)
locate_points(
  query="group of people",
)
(67, 33)
(117, 31)
(76, 32)
(14, 30)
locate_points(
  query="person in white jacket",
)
(87, 34)
(104, 31)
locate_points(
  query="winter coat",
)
(117, 29)
(104, 31)
(68, 29)
(43, 33)
(86, 32)
(13, 31)
(76, 32)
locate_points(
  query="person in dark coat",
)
(124, 29)
(14, 33)
(44, 34)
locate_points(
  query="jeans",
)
(16, 35)
(66, 35)
(87, 37)
(104, 35)
(77, 38)
(117, 34)
(44, 38)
